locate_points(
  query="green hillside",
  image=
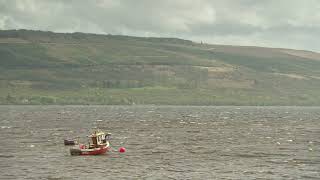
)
(39, 67)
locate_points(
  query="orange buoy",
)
(122, 150)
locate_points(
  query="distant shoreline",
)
(46, 68)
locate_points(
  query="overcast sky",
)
(272, 23)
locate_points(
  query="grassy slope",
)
(48, 68)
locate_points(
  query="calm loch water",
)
(162, 142)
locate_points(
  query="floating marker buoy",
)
(122, 150)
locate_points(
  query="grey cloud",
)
(273, 23)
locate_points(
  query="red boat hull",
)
(86, 152)
(96, 151)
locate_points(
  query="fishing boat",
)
(98, 144)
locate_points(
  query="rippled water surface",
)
(162, 142)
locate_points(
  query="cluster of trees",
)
(119, 84)
(10, 99)
(90, 98)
